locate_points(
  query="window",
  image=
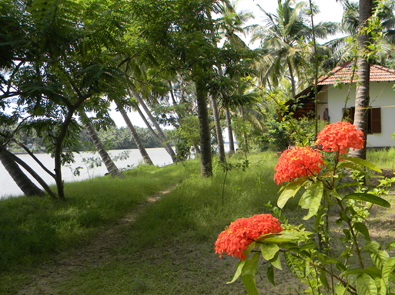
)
(374, 118)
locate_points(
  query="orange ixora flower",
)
(340, 137)
(241, 233)
(298, 162)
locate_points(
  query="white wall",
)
(381, 95)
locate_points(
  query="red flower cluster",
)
(241, 233)
(340, 136)
(297, 162)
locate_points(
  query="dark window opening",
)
(374, 118)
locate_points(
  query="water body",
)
(8, 187)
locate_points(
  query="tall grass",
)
(384, 158)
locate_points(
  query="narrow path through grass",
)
(98, 251)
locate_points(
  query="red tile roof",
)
(343, 74)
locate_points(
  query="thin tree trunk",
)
(230, 131)
(23, 182)
(363, 72)
(204, 129)
(111, 167)
(244, 134)
(58, 151)
(291, 74)
(136, 137)
(243, 118)
(157, 127)
(218, 131)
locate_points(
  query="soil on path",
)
(96, 252)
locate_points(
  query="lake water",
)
(8, 187)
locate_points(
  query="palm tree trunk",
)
(363, 72)
(136, 106)
(243, 118)
(218, 131)
(111, 167)
(23, 182)
(291, 74)
(136, 137)
(204, 129)
(157, 127)
(230, 131)
(34, 175)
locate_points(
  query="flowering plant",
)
(241, 233)
(321, 174)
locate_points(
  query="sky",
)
(330, 10)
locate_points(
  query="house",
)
(335, 87)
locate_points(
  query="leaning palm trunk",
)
(23, 182)
(136, 137)
(111, 167)
(157, 127)
(363, 72)
(218, 130)
(136, 106)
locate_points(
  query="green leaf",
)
(379, 258)
(372, 271)
(248, 274)
(311, 199)
(366, 285)
(307, 246)
(293, 265)
(364, 163)
(391, 246)
(368, 198)
(330, 260)
(362, 229)
(275, 261)
(239, 267)
(269, 251)
(270, 274)
(323, 279)
(318, 218)
(348, 184)
(290, 191)
(340, 289)
(352, 166)
(279, 239)
(250, 247)
(388, 268)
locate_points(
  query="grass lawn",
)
(115, 236)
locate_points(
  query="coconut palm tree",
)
(135, 136)
(283, 38)
(363, 72)
(229, 26)
(111, 167)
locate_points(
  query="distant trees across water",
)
(114, 138)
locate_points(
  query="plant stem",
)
(353, 235)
